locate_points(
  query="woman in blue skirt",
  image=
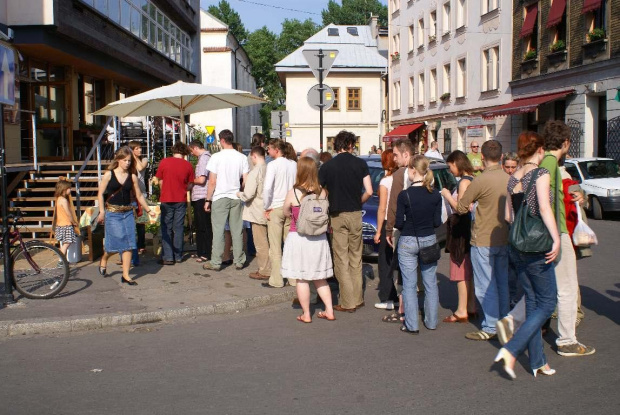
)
(116, 212)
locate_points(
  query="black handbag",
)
(428, 254)
(528, 233)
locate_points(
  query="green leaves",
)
(226, 14)
(354, 12)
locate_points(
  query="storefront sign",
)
(461, 122)
(7, 75)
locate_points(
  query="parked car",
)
(600, 180)
(443, 178)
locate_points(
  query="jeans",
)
(204, 233)
(172, 217)
(491, 283)
(387, 289)
(408, 250)
(538, 280)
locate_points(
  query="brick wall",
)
(87, 28)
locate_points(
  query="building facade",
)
(357, 78)
(450, 60)
(567, 67)
(75, 56)
(225, 63)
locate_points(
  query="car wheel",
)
(597, 209)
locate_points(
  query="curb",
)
(101, 321)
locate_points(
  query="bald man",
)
(476, 158)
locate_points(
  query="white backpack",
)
(313, 216)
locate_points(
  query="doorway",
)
(602, 127)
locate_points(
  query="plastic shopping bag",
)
(583, 235)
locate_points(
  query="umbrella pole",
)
(182, 125)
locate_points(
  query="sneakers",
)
(480, 335)
(575, 349)
(210, 266)
(388, 305)
(505, 329)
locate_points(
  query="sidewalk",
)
(90, 301)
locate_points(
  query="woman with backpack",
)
(418, 213)
(306, 256)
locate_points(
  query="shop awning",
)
(589, 5)
(402, 131)
(530, 20)
(556, 13)
(523, 105)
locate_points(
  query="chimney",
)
(373, 23)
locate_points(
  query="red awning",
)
(523, 105)
(589, 5)
(556, 13)
(402, 131)
(530, 20)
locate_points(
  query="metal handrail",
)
(96, 148)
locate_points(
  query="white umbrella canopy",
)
(179, 99)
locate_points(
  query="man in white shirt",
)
(434, 152)
(228, 170)
(279, 179)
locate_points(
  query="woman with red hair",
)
(387, 291)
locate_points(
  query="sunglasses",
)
(475, 146)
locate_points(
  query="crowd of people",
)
(263, 194)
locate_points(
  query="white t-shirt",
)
(229, 165)
(279, 179)
(387, 183)
(434, 154)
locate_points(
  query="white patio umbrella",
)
(179, 99)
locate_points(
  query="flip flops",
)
(455, 319)
(393, 318)
(323, 315)
(301, 318)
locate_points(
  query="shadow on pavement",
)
(601, 304)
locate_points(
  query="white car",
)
(600, 180)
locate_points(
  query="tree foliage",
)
(228, 15)
(354, 12)
(294, 33)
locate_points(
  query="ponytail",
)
(422, 165)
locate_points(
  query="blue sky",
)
(255, 16)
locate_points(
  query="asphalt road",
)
(265, 362)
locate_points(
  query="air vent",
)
(352, 31)
(332, 31)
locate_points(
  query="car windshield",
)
(599, 169)
(376, 174)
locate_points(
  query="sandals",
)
(456, 319)
(201, 259)
(393, 318)
(301, 318)
(323, 315)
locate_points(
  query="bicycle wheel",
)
(41, 271)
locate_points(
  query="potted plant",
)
(596, 34)
(395, 56)
(558, 46)
(154, 229)
(531, 54)
(445, 96)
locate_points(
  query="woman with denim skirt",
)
(116, 187)
(418, 213)
(531, 184)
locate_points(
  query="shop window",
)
(447, 140)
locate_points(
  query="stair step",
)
(53, 180)
(47, 199)
(52, 189)
(38, 209)
(68, 163)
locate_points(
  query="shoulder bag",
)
(528, 233)
(428, 254)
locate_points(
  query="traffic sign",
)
(314, 97)
(275, 133)
(256, 129)
(312, 57)
(210, 138)
(279, 119)
(7, 75)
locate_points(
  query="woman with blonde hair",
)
(307, 258)
(117, 185)
(418, 213)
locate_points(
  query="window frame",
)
(359, 98)
(461, 77)
(336, 105)
(446, 18)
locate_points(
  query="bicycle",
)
(38, 270)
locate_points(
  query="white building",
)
(449, 61)
(225, 63)
(357, 78)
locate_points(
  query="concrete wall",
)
(304, 120)
(29, 12)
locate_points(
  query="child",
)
(65, 222)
